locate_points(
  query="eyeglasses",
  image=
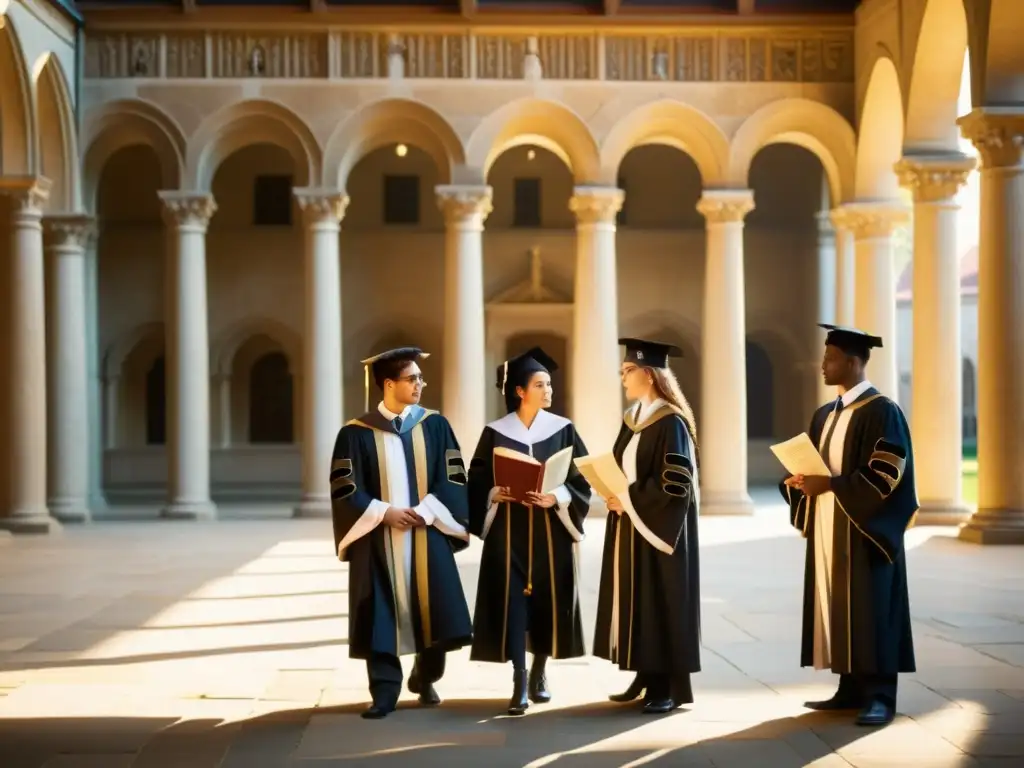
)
(415, 378)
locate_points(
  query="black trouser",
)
(385, 674)
(862, 688)
(518, 623)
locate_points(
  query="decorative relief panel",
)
(186, 56)
(269, 55)
(500, 58)
(358, 55)
(429, 55)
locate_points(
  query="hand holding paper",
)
(799, 456)
(603, 474)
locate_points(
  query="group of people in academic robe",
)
(404, 503)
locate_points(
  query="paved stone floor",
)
(156, 644)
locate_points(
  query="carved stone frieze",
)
(428, 54)
(186, 56)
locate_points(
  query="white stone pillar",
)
(723, 427)
(998, 133)
(827, 295)
(68, 436)
(465, 378)
(188, 357)
(874, 305)
(844, 270)
(26, 363)
(937, 417)
(323, 210)
(596, 387)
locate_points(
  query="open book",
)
(521, 473)
(604, 475)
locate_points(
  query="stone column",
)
(937, 416)
(465, 379)
(723, 426)
(188, 356)
(844, 270)
(68, 436)
(26, 364)
(596, 387)
(112, 403)
(874, 306)
(998, 133)
(827, 296)
(97, 498)
(323, 210)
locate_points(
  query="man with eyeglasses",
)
(400, 510)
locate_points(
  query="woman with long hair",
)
(527, 595)
(648, 612)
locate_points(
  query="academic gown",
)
(648, 610)
(405, 595)
(507, 565)
(856, 608)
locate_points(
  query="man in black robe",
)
(398, 493)
(856, 618)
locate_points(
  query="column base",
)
(722, 504)
(39, 523)
(189, 510)
(315, 507)
(994, 526)
(939, 513)
(70, 511)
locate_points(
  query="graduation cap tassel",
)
(529, 557)
(366, 388)
(504, 378)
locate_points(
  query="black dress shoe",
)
(538, 683)
(635, 691)
(377, 712)
(876, 713)
(519, 702)
(659, 706)
(836, 703)
(428, 696)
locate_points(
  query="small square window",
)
(401, 199)
(272, 201)
(527, 203)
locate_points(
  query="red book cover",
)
(518, 472)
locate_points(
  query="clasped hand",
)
(811, 485)
(542, 500)
(614, 504)
(396, 517)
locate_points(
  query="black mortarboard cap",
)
(516, 371)
(401, 353)
(852, 341)
(649, 354)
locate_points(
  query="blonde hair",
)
(667, 387)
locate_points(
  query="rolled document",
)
(799, 456)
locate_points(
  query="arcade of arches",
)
(190, 295)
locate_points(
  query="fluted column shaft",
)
(68, 436)
(25, 366)
(723, 427)
(998, 133)
(937, 385)
(322, 400)
(188, 360)
(596, 388)
(465, 208)
(874, 304)
(827, 295)
(845, 268)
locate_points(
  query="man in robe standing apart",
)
(856, 616)
(400, 509)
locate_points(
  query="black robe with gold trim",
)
(649, 621)
(875, 503)
(526, 545)
(434, 464)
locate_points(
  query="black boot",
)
(427, 693)
(634, 692)
(519, 703)
(538, 687)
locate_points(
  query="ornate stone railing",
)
(697, 54)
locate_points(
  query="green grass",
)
(970, 480)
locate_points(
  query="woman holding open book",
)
(527, 501)
(648, 611)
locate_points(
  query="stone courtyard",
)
(199, 645)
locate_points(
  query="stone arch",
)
(675, 124)
(147, 334)
(125, 123)
(935, 80)
(391, 121)
(542, 123)
(17, 118)
(132, 365)
(808, 124)
(271, 407)
(58, 147)
(232, 338)
(783, 350)
(996, 79)
(880, 138)
(255, 121)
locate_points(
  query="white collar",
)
(851, 395)
(644, 413)
(392, 416)
(544, 426)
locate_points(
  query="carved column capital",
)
(998, 134)
(71, 231)
(934, 178)
(28, 193)
(321, 205)
(183, 209)
(464, 204)
(594, 205)
(868, 220)
(720, 206)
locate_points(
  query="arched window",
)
(760, 393)
(156, 403)
(270, 400)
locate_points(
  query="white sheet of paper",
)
(799, 456)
